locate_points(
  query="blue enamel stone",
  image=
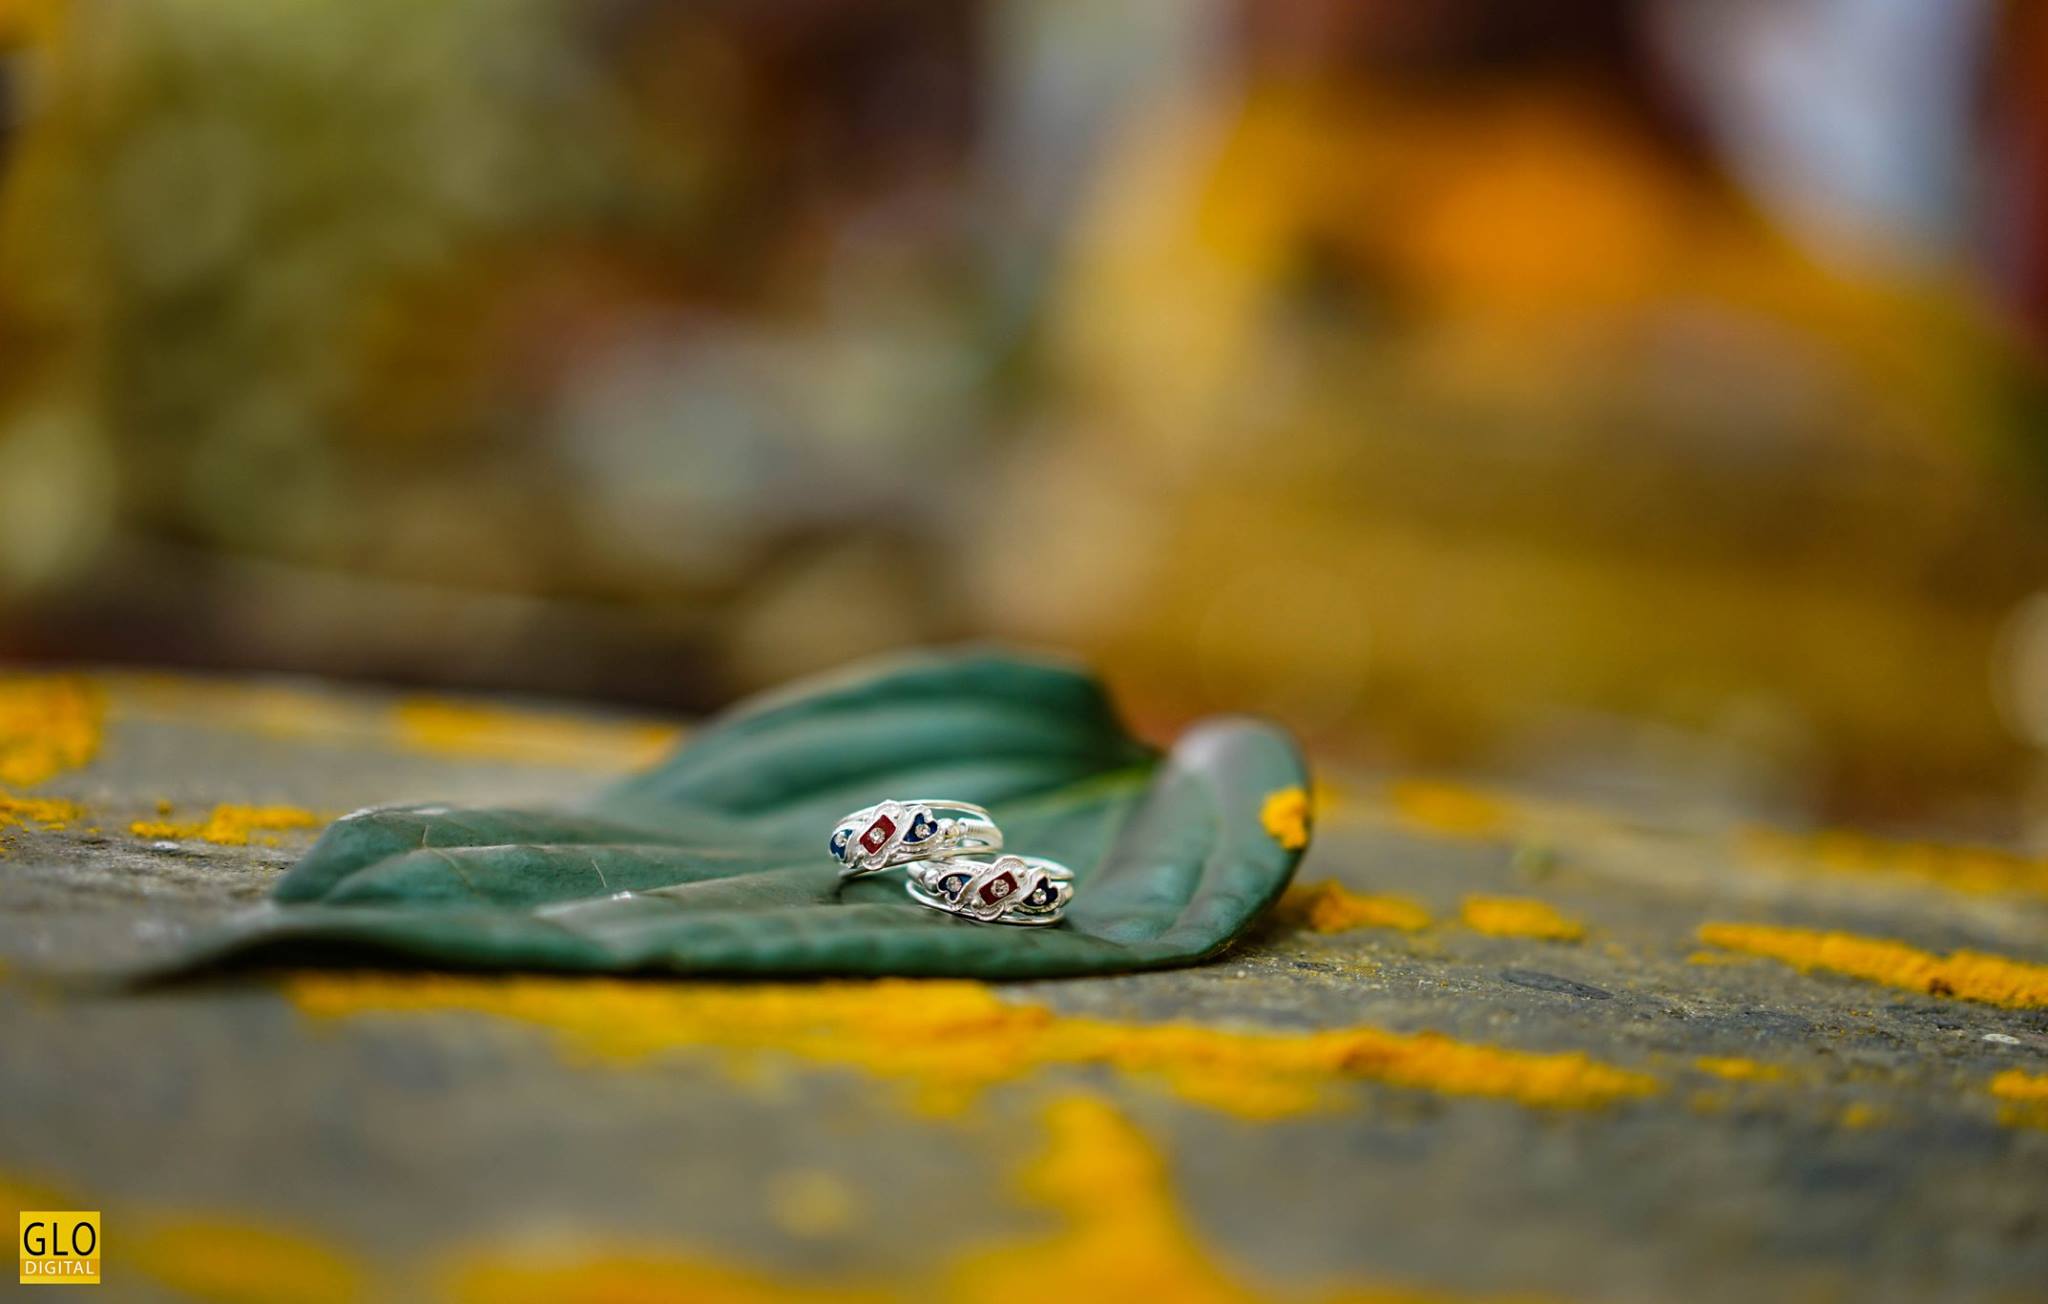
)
(921, 828)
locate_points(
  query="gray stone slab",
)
(1877, 1167)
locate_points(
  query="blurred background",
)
(1638, 395)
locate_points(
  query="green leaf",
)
(715, 861)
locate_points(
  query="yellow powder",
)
(1113, 1229)
(1857, 1114)
(2027, 1094)
(617, 1277)
(1285, 817)
(1519, 917)
(1966, 869)
(1126, 1236)
(493, 733)
(230, 826)
(268, 708)
(48, 724)
(2018, 1084)
(1449, 810)
(1118, 1233)
(1128, 1239)
(447, 728)
(210, 1258)
(1330, 907)
(1966, 975)
(1714, 958)
(1738, 1070)
(948, 1041)
(50, 812)
(229, 1261)
(812, 1203)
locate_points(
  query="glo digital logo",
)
(60, 1248)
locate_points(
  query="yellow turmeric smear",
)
(618, 1276)
(1963, 868)
(1119, 1234)
(1735, 1069)
(48, 724)
(225, 1259)
(1126, 1238)
(229, 826)
(1286, 817)
(1449, 810)
(1860, 1114)
(266, 707)
(1330, 907)
(1715, 959)
(812, 1202)
(1966, 975)
(2020, 1085)
(49, 812)
(1519, 917)
(472, 730)
(439, 727)
(947, 1041)
(2026, 1095)
(211, 1258)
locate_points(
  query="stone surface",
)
(1807, 1134)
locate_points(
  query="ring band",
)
(1006, 890)
(891, 833)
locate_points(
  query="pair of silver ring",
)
(946, 846)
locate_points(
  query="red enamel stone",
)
(997, 888)
(877, 835)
